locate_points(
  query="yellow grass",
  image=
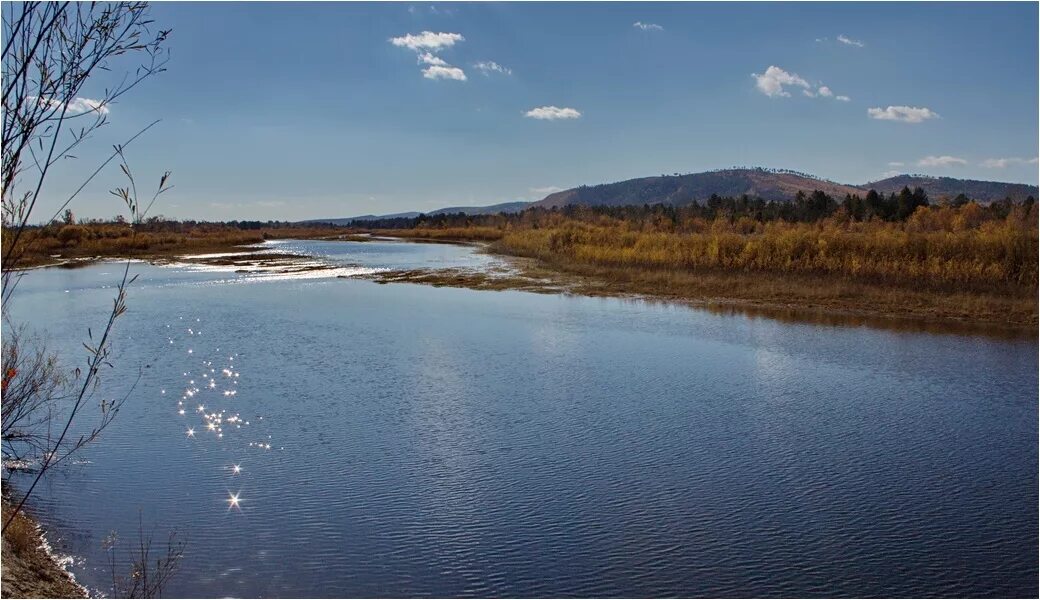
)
(943, 262)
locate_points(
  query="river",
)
(407, 440)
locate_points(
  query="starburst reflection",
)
(200, 392)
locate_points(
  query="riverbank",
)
(78, 245)
(30, 570)
(813, 297)
(552, 260)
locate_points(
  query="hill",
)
(678, 190)
(768, 184)
(494, 209)
(349, 220)
(938, 188)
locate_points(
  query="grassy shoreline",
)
(1004, 310)
(76, 245)
(595, 261)
(30, 569)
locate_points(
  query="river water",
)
(406, 440)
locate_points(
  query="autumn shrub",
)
(943, 246)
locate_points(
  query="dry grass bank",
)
(943, 263)
(28, 570)
(54, 243)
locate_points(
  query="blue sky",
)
(293, 111)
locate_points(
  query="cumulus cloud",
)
(941, 161)
(444, 72)
(647, 26)
(550, 189)
(772, 82)
(77, 107)
(426, 45)
(427, 58)
(824, 92)
(895, 164)
(487, 67)
(552, 113)
(850, 42)
(1003, 163)
(427, 40)
(906, 114)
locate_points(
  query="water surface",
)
(449, 442)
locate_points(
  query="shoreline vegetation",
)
(76, 244)
(30, 569)
(957, 266)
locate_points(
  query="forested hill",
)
(769, 184)
(679, 190)
(948, 187)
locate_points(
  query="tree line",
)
(804, 208)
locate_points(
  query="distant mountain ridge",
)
(697, 187)
(949, 187)
(768, 184)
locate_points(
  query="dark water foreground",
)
(403, 440)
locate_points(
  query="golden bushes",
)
(951, 247)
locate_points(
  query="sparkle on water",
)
(214, 418)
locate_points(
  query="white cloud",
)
(824, 92)
(425, 45)
(487, 67)
(549, 189)
(888, 174)
(906, 114)
(941, 161)
(552, 113)
(850, 42)
(84, 105)
(77, 107)
(647, 26)
(772, 82)
(431, 59)
(1003, 163)
(444, 72)
(895, 164)
(427, 40)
